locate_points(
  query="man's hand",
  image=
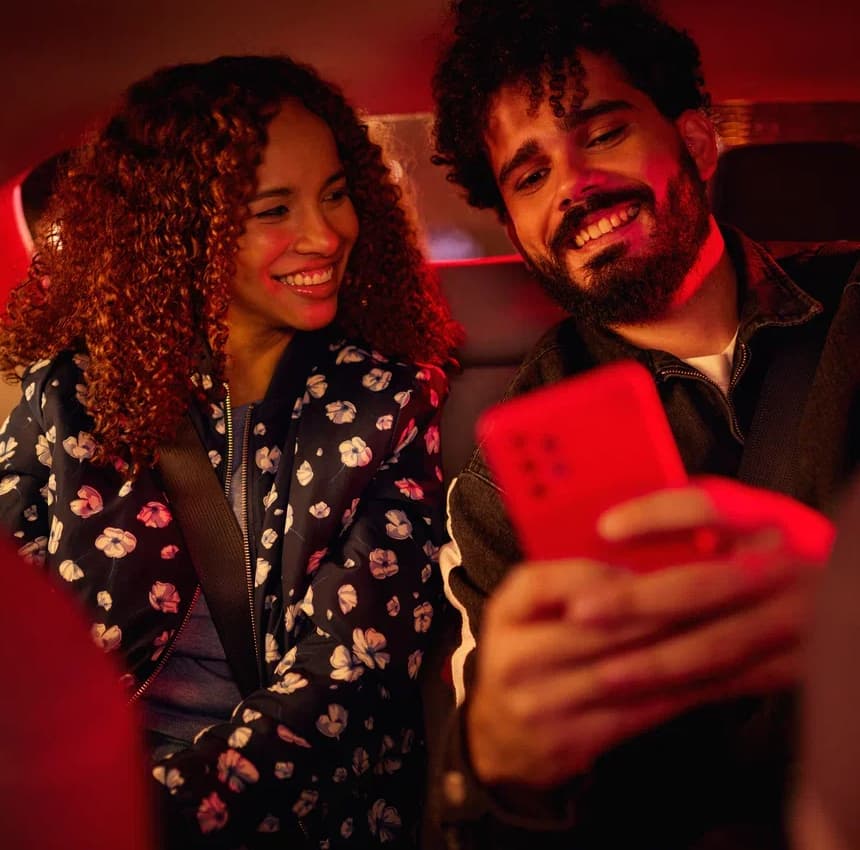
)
(575, 657)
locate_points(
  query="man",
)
(598, 708)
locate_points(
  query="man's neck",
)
(252, 356)
(703, 317)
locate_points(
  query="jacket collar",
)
(767, 297)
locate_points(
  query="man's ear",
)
(699, 137)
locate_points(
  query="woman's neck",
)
(251, 360)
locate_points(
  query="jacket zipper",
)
(243, 506)
(165, 656)
(679, 372)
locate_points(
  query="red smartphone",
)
(564, 454)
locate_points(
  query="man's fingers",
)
(682, 593)
(540, 589)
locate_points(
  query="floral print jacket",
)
(344, 516)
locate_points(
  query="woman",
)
(231, 248)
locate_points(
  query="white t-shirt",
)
(717, 367)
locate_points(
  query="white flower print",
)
(287, 661)
(368, 646)
(287, 734)
(426, 572)
(384, 423)
(393, 606)
(423, 615)
(360, 761)
(288, 521)
(172, 779)
(355, 452)
(344, 665)
(212, 814)
(431, 551)
(169, 552)
(320, 510)
(409, 488)
(410, 432)
(262, 571)
(88, 503)
(339, 774)
(290, 683)
(155, 515)
(349, 513)
(413, 664)
(304, 474)
(70, 571)
(235, 771)
(8, 446)
(347, 598)
(268, 459)
(107, 638)
(290, 617)
(434, 398)
(268, 538)
(306, 803)
(51, 434)
(284, 769)
(346, 828)
(28, 392)
(8, 483)
(104, 600)
(43, 451)
(383, 563)
(163, 596)
(431, 440)
(214, 459)
(273, 652)
(116, 543)
(384, 822)
(31, 513)
(316, 386)
(403, 398)
(307, 604)
(260, 429)
(39, 364)
(249, 715)
(398, 526)
(350, 354)
(240, 737)
(376, 380)
(341, 412)
(55, 535)
(126, 489)
(81, 447)
(334, 722)
(270, 497)
(217, 414)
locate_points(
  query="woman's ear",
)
(700, 139)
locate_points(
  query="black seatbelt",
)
(215, 544)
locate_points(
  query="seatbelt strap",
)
(216, 546)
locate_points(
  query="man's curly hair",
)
(137, 250)
(500, 42)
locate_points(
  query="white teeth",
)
(606, 225)
(306, 278)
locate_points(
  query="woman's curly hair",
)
(498, 42)
(137, 249)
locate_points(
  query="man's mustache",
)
(573, 218)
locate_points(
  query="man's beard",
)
(618, 289)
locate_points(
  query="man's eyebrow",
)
(528, 149)
(583, 116)
(531, 147)
(286, 191)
